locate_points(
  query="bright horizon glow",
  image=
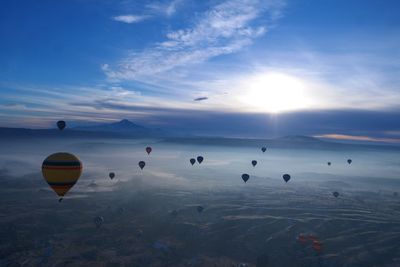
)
(274, 93)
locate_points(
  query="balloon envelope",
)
(317, 246)
(200, 159)
(61, 125)
(286, 177)
(329, 163)
(111, 175)
(192, 161)
(335, 194)
(142, 164)
(349, 161)
(245, 177)
(98, 221)
(254, 163)
(61, 171)
(148, 150)
(263, 149)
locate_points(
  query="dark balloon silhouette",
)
(192, 161)
(148, 150)
(111, 175)
(200, 159)
(98, 221)
(349, 161)
(142, 164)
(335, 194)
(200, 209)
(286, 177)
(329, 163)
(245, 177)
(61, 125)
(263, 149)
(174, 213)
(254, 163)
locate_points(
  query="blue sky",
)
(327, 65)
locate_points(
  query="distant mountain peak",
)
(125, 122)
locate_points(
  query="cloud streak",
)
(129, 19)
(224, 29)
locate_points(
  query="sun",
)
(274, 92)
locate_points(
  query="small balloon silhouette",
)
(61, 125)
(142, 164)
(200, 159)
(245, 177)
(286, 177)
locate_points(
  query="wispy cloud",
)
(168, 8)
(129, 18)
(358, 138)
(224, 29)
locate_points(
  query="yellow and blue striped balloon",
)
(61, 171)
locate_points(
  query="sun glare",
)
(274, 92)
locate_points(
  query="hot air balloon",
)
(254, 163)
(61, 171)
(200, 209)
(329, 163)
(148, 150)
(317, 246)
(111, 175)
(142, 164)
(302, 238)
(174, 213)
(335, 194)
(349, 161)
(312, 237)
(61, 125)
(245, 177)
(200, 159)
(98, 221)
(286, 177)
(192, 161)
(263, 149)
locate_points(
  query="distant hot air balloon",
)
(335, 194)
(302, 238)
(254, 163)
(312, 237)
(61, 125)
(142, 164)
(174, 213)
(200, 159)
(286, 177)
(61, 171)
(98, 221)
(329, 163)
(111, 175)
(200, 209)
(192, 161)
(263, 149)
(245, 177)
(148, 150)
(317, 246)
(349, 161)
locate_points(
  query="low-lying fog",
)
(151, 217)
